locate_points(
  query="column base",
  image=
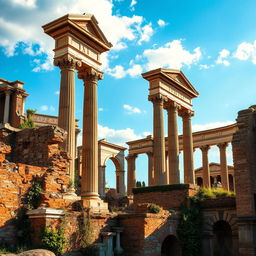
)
(96, 205)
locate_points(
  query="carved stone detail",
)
(90, 75)
(67, 62)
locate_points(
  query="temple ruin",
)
(148, 221)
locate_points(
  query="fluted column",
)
(102, 180)
(150, 169)
(66, 117)
(188, 154)
(173, 144)
(7, 107)
(206, 170)
(223, 165)
(90, 134)
(159, 141)
(131, 175)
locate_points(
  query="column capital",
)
(158, 99)
(90, 75)
(186, 113)
(7, 92)
(67, 62)
(131, 156)
(172, 105)
(222, 145)
(205, 148)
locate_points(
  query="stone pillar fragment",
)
(150, 169)
(102, 180)
(173, 144)
(206, 170)
(131, 175)
(66, 117)
(7, 107)
(120, 185)
(223, 165)
(90, 134)
(159, 141)
(189, 176)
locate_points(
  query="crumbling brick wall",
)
(49, 164)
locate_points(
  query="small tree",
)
(143, 184)
(28, 123)
(138, 184)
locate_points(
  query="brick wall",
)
(171, 199)
(244, 156)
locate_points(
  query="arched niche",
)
(171, 246)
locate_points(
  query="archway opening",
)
(199, 181)
(171, 246)
(222, 239)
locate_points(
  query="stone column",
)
(66, 118)
(131, 175)
(118, 249)
(120, 186)
(90, 134)
(7, 107)
(223, 165)
(173, 144)
(188, 155)
(206, 171)
(150, 169)
(159, 141)
(102, 180)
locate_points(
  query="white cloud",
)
(47, 108)
(145, 134)
(132, 110)
(133, 3)
(205, 66)
(101, 109)
(161, 23)
(135, 70)
(246, 51)
(24, 3)
(223, 55)
(202, 127)
(57, 93)
(145, 33)
(119, 72)
(171, 55)
(21, 21)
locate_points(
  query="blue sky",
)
(212, 42)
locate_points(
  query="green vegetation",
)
(160, 188)
(189, 229)
(33, 195)
(212, 193)
(53, 240)
(140, 184)
(153, 208)
(12, 249)
(28, 123)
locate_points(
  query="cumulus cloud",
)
(119, 72)
(132, 110)
(145, 33)
(171, 55)
(21, 21)
(222, 58)
(161, 23)
(45, 108)
(202, 127)
(246, 51)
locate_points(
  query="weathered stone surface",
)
(37, 252)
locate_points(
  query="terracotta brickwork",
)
(244, 152)
(17, 178)
(144, 232)
(171, 199)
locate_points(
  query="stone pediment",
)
(173, 77)
(85, 25)
(89, 23)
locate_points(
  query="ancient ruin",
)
(38, 166)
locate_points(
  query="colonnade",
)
(131, 161)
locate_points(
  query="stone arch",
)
(211, 234)
(116, 154)
(171, 246)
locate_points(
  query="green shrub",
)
(28, 123)
(212, 193)
(33, 195)
(153, 208)
(53, 240)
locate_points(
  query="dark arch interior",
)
(171, 246)
(222, 239)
